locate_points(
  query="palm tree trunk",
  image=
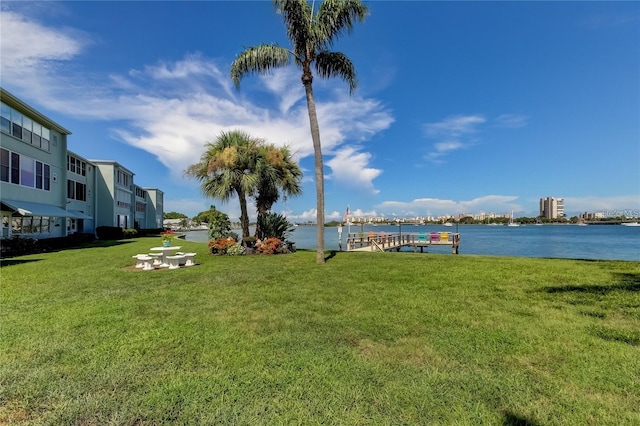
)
(307, 80)
(244, 216)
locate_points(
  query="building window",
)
(39, 177)
(141, 207)
(47, 178)
(122, 178)
(16, 124)
(4, 165)
(21, 127)
(15, 168)
(27, 126)
(23, 170)
(76, 190)
(77, 166)
(27, 175)
(5, 119)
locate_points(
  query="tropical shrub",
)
(220, 246)
(236, 250)
(272, 246)
(273, 225)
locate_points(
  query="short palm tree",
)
(227, 167)
(311, 35)
(278, 175)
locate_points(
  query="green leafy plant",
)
(273, 225)
(236, 250)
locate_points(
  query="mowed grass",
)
(366, 339)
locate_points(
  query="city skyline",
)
(481, 106)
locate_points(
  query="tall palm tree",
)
(311, 35)
(278, 174)
(227, 167)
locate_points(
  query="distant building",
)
(552, 208)
(47, 191)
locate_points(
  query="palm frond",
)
(336, 64)
(337, 16)
(298, 18)
(259, 59)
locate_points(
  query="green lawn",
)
(367, 338)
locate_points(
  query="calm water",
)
(612, 242)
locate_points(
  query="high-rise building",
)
(552, 208)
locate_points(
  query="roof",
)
(14, 102)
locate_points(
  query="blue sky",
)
(462, 107)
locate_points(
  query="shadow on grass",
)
(626, 282)
(332, 254)
(512, 419)
(11, 262)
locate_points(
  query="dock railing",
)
(384, 241)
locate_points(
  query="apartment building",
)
(552, 208)
(47, 191)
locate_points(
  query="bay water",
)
(607, 242)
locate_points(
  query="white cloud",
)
(511, 121)
(350, 166)
(171, 109)
(30, 52)
(458, 132)
(436, 207)
(454, 126)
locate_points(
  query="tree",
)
(227, 167)
(278, 174)
(219, 223)
(175, 215)
(311, 35)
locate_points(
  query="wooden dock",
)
(384, 241)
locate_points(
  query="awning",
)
(79, 214)
(25, 208)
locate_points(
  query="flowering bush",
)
(236, 250)
(167, 236)
(221, 245)
(271, 246)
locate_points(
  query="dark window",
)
(71, 189)
(38, 175)
(15, 168)
(81, 191)
(4, 165)
(17, 130)
(47, 177)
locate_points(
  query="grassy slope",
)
(367, 338)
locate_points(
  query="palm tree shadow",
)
(332, 254)
(623, 282)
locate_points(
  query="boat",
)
(630, 224)
(511, 222)
(448, 224)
